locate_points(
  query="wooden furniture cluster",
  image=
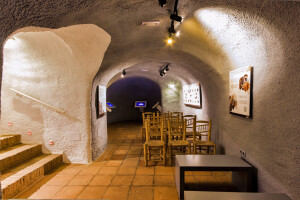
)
(174, 133)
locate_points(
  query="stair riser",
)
(16, 159)
(22, 183)
(25, 178)
(10, 141)
(48, 167)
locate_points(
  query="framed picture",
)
(240, 91)
(192, 95)
(101, 101)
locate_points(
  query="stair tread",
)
(27, 166)
(21, 166)
(7, 140)
(7, 136)
(15, 150)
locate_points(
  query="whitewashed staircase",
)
(23, 164)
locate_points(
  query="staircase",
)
(21, 165)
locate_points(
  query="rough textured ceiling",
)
(121, 19)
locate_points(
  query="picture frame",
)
(241, 92)
(192, 95)
(100, 101)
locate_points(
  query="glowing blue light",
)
(140, 104)
(110, 105)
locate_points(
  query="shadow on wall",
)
(123, 94)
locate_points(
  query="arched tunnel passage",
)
(125, 92)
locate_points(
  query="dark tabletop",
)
(211, 161)
(199, 195)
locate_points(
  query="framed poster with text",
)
(192, 95)
(101, 101)
(240, 91)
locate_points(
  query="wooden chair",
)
(176, 115)
(177, 138)
(189, 125)
(164, 117)
(202, 137)
(154, 144)
(143, 130)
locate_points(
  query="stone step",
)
(11, 171)
(15, 155)
(23, 179)
(9, 141)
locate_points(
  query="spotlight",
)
(162, 73)
(175, 17)
(162, 3)
(123, 73)
(163, 70)
(171, 31)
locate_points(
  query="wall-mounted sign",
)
(240, 92)
(192, 95)
(110, 105)
(101, 100)
(140, 104)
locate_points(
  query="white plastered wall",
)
(56, 66)
(228, 39)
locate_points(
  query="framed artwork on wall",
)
(100, 101)
(192, 96)
(240, 91)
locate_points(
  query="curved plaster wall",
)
(270, 44)
(56, 66)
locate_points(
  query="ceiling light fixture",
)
(174, 17)
(123, 73)
(164, 69)
(162, 3)
(171, 31)
(170, 41)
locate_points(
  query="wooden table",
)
(242, 172)
(199, 195)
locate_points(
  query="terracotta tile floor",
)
(120, 174)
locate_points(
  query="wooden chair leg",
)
(214, 149)
(164, 154)
(194, 148)
(146, 155)
(189, 149)
(200, 149)
(170, 155)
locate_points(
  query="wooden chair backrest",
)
(176, 128)
(165, 117)
(177, 115)
(154, 127)
(189, 120)
(145, 114)
(202, 128)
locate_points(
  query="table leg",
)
(242, 180)
(179, 179)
